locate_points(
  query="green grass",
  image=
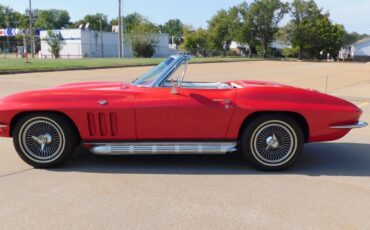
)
(12, 65)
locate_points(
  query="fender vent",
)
(102, 124)
(92, 125)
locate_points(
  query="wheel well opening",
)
(19, 116)
(296, 116)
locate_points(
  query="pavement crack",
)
(15, 173)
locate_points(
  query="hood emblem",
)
(103, 102)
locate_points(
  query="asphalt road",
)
(329, 188)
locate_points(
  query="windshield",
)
(154, 73)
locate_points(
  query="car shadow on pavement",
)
(331, 159)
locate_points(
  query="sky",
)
(353, 14)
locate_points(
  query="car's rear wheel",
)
(44, 140)
(272, 142)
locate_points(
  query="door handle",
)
(226, 101)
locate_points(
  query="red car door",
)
(191, 114)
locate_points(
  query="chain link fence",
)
(69, 50)
(9, 49)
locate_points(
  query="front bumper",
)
(357, 125)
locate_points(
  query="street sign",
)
(11, 32)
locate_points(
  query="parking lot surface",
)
(329, 188)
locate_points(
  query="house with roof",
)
(359, 51)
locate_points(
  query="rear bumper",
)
(357, 125)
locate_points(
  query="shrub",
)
(143, 47)
(53, 41)
(291, 52)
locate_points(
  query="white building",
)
(238, 48)
(359, 51)
(80, 43)
(243, 49)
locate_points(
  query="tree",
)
(350, 38)
(11, 18)
(196, 42)
(303, 12)
(53, 41)
(94, 22)
(52, 19)
(242, 28)
(219, 29)
(174, 28)
(325, 37)
(5, 13)
(143, 46)
(265, 18)
(140, 32)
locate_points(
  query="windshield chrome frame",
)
(178, 59)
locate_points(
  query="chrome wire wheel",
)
(42, 140)
(273, 143)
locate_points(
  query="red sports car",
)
(160, 113)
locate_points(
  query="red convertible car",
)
(160, 113)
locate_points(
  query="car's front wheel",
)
(44, 140)
(272, 142)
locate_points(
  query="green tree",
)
(11, 18)
(174, 28)
(145, 28)
(242, 27)
(136, 23)
(53, 41)
(304, 13)
(52, 19)
(220, 31)
(5, 13)
(285, 33)
(131, 21)
(350, 38)
(197, 42)
(94, 22)
(326, 36)
(265, 18)
(140, 32)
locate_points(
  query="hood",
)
(68, 93)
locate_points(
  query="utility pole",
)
(120, 38)
(101, 36)
(32, 39)
(7, 39)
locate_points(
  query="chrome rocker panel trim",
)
(358, 125)
(163, 148)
